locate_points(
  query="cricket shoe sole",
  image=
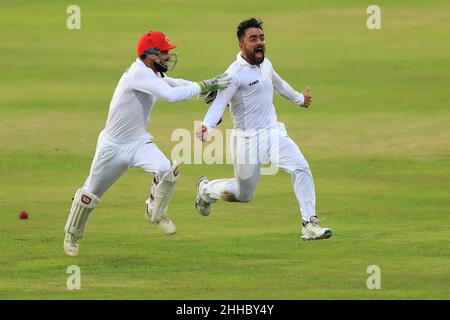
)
(327, 233)
(203, 207)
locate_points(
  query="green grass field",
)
(377, 139)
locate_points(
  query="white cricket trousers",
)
(112, 159)
(251, 150)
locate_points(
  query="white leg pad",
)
(153, 192)
(83, 203)
(163, 193)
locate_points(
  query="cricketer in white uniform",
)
(125, 141)
(257, 137)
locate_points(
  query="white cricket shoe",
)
(203, 207)
(165, 225)
(312, 231)
(71, 245)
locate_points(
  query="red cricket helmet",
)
(152, 42)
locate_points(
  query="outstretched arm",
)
(215, 111)
(158, 87)
(285, 90)
(175, 82)
(151, 84)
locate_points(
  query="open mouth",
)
(259, 53)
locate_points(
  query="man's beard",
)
(256, 56)
(166, 65)
(161, 66)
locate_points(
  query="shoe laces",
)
(316, 221)
(164, 219)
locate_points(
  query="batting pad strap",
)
(83, 203)
(163, 192)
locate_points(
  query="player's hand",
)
(308, 98)
(202, 132)
(217, 83)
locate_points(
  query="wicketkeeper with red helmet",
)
(125, 141)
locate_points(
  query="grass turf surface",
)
(376, 138)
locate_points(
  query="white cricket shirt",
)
(135, 96)
(251, 96)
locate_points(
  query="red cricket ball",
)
(23, 215)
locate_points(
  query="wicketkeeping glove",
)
(217, 83)
(209, 96)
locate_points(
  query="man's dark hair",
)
(142, 57)
(246, 24)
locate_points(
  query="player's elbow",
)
(245, 196)
(170, 95)
(171, 98)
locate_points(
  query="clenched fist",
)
(202, 132)
(308, 98)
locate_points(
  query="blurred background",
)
(376, 138)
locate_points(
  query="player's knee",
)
(245, 196)
(86, 198)
(95, 190)
(163, 167)
(301, 170)
(245, 199)
(302, 166)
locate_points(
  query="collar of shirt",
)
(140, 62)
